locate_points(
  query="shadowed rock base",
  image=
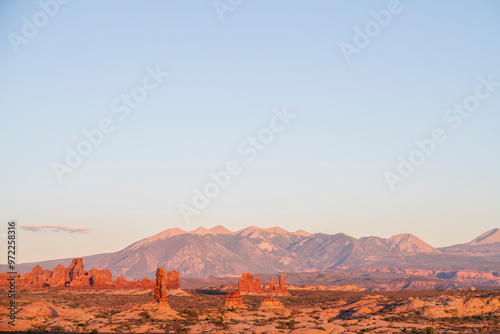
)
(159, 307)
(233, 299)
(270, 303)
(159, 310)
(247, 285)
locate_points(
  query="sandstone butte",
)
(160, 290)
(75, 276)
(270, 303)
(233, 299)
(159, 307)
(247, 285)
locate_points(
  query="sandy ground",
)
(111, 311)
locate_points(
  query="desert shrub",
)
(286, 324)
(113, 312)
(145, 315)
(39, 328)
(57, 328)
(428, 330)
(179, 328)
(189, 313)
(219, 322)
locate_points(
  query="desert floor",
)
(196, 311)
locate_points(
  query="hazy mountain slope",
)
(219, 252)
(485, 245)
(192, 254)
(322, 251)
(490, 237)
(410, 243)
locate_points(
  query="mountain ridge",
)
(489, 237)
(220, 252)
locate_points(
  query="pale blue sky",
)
(323, 173)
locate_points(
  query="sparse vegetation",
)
(114, 312)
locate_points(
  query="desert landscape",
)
(212, 310)
(342, 299)
(232, 166)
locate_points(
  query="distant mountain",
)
(490, 237)
(486, 245)
(410, 243)
(221, 252)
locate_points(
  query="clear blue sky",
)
(323, 173)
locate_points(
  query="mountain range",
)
(221, 252)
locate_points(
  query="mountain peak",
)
(167, 234)
(489, 237)
(249, 230)
(219, 229)
(200, 231)
(409, 243)
(171, 232)
(276, 230)
(302, 233)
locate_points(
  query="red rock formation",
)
(37, 270)
(173, 280)
(233, 299)
(76, 277)
(121, 282)
(160, 290)
(36, 278)
(45, 275)
(80, 282)
(147, 283)
(76, 269)
(281, 288)
(269, 302)
(59, 277)
(282, 282)
(247, 285)
(100, 278)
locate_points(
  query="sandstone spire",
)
(160, 291)
(233, 299)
